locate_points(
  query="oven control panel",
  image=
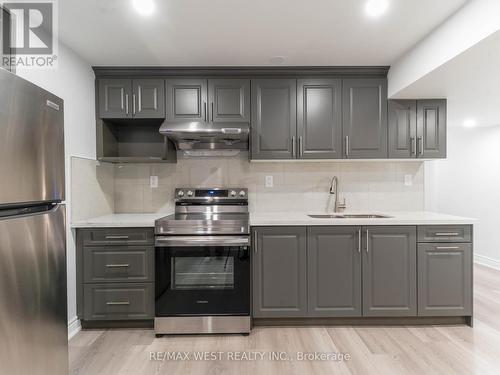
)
(186, 194)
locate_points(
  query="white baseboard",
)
(486, 261)
(74, 327)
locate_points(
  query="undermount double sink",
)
(349, 216)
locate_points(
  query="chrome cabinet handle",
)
(126, 104)
(441, 253)
(359, 240)
(346, 145)
(293, 147)
(301, 151)
(255, 241)
(412, 146)
(367, 241)
(447, 248)
(447, 234)
(110, 237)
(212, 105)
(205, 111)
(118, 303)
(420, 145)
(133, 104)
(117, 265)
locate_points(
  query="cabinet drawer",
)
(120, 263)
(445, 233)
(118, 301)
(118, 236)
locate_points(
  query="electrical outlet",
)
(153, 182)
(269, 181)
(408, 180)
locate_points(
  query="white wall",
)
(73, 81)
(467, 183)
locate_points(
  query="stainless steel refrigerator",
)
(33, 310)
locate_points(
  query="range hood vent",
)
(197, 135)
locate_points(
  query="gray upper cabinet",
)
(114, 98)
(389, 271)
(274, 123)
(319, 118)
(334, 271)
(126, 98)
(279, 272)
(445, 279)
(229, 100)
(431, 128)
(402, 129)
(148, 98)
(364, 108)
(187, 99)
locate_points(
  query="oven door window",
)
(202, 272)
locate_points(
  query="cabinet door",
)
(149, 98)
(274, 122)
(279, 272)
(334, 271)
(389, 271)
(431, 128)
(114, 98)
(229, 100)
(364, 103)
(402, 129)
(187, 100)
(445, 279)
(319, 118)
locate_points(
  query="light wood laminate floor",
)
(374, 350)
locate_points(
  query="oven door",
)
(202, 275)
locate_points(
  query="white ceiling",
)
(470, 82)
(247, 32)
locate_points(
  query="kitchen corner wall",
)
(298, 186)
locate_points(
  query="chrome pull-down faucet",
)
(334, 190)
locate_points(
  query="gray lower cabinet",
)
(319, 118)
(445, 279)
(279, 272)
(334, 271)
(229, 100)
(274, 120)
(431, 128)
(115, 274)
(389, 271)
(187, 99)
(364, 109)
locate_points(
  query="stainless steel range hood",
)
(197, 135)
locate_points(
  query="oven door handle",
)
(185, 241)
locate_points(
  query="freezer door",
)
(33, 312)
(31, 143)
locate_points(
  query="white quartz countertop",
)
(286, 218)
(120, 220)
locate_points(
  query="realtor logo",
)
(29, 33)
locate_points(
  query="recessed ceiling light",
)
(144, 7)
(277, 60)
(470, 123)
(375, 8)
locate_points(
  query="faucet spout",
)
(334, 190)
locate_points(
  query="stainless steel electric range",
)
(202, 263)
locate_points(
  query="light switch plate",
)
(269, 181)
(408, 180)
(153, 182)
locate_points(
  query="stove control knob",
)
(190, 193)
(232, 193)
(242, 193)
(180, 194)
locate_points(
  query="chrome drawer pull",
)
(124, 303)
(117, 265)
(447, 234)
(447, 248)
(117, 237)
(441, 253)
